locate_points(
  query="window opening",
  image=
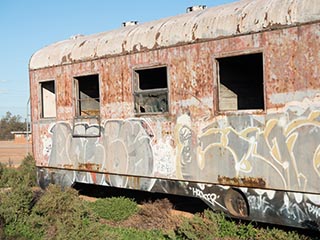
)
(151, 90)
(48, 99)
(241, 82)
(88, 96)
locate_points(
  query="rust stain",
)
(68, 166)
(81, 44)
(89, 166)
(134, 182)
(243, 182)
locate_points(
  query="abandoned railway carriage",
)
(220, 103)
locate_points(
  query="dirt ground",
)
(13, 153)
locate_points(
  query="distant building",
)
(22, 136)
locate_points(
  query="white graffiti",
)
(315, 210)
(123, 148)
(259, 203)
(164, 164)
(292, 210)
(258, 146)
(209, 197)
(47, 146)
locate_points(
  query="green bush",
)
(23, 231)
(61, 214)
(216, 226)
(135, 234)
(25, 173)
(28, 171)
(8, 176)
(15, 203)
(114, 208)
(15, 209)
(278, 234)
(197, 228)
(229, 228)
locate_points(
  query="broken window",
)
(48, 99)
(87, 95)
(151, 90)
(241, 82)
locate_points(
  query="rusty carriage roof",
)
(243, 17)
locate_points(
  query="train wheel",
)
(236, 203)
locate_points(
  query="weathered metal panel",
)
(238, 18)
(191, 137)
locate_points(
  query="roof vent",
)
(129, 23)
(196, 8)
(76, 36)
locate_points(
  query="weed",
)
(114, 209)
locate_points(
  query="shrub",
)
(15, 209)
(23, 231)
(135, 234)
(114, 208)
(15, 203)
(197, 228)
(211, 225)
(28, 170)
(25, 173)
(61, 214)
(8, 176)
(278, 234)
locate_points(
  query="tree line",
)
(9, 123)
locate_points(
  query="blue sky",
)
(28, 25)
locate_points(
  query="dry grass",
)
(12, 153)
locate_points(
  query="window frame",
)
(77, 99)
(42, 104)
(216, 70)
(136, 89)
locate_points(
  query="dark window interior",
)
(88, 95)
(151, 93)
(152, 78)
(241, 82)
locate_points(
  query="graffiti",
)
(128, 151)
(269, 147)
(164, 164)
(185, 139)
(315, 210)
(209, 197)
(47, 146)
(259, 203)
(122, 149)
(292, 210)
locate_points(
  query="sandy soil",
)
(12, 153)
